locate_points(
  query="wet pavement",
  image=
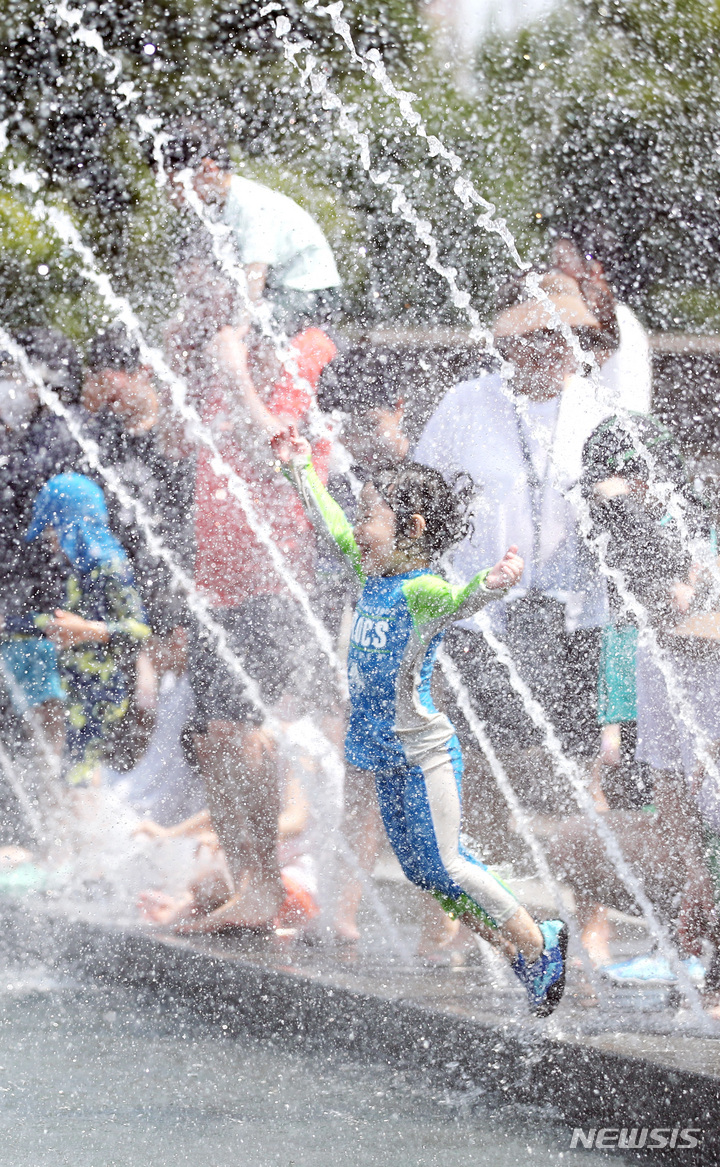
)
(473, 983)
(463, 979)
(638, 1054)
(99, 1076)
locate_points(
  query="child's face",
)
(375, 532)
(618, 487)
(51, 540)
(130, 396)
(543, 361)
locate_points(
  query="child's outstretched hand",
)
(507, 572)
(288, 444)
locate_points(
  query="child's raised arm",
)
(329, 519)
(434, 603)
(289, 445)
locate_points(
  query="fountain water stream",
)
(373, 65)
(522, 820)
(23, 799)
(564, 766)
(423, 231)
(314, 742)
(43, 792)
(122, 310)
(400, 205)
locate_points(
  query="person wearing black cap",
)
(618, 460)
(637, 485)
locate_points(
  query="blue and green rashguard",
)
(394, 728)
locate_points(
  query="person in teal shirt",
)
(101, 626)
(408, 517)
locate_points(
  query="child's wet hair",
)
(410, 488)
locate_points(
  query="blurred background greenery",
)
(605, 113)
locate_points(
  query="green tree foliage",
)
(607, 112)
(68, 119)
(614, 110)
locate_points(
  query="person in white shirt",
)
(521, 438)
(272, 232)
(627, 374)
(624, 379)
(284, 253)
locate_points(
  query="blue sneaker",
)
(544, 979)
(651, 969)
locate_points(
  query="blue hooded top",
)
(75, 507)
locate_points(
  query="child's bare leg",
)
(208, 892)
(518, 934)
(364, 839)
(295, 808)
(595, 934)
(595, 786)
(437, 929)
(51, 716)
(160, 908)
(239, 767)
(362, 829)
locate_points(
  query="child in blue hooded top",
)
(102, 624)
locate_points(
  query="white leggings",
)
(421, 809)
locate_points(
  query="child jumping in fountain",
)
(408, 517)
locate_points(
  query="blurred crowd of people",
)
(153, 575)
